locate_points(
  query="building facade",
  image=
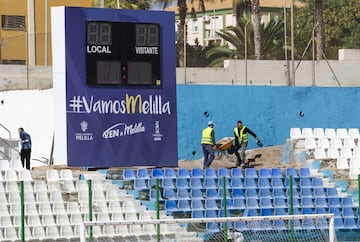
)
(25, 33)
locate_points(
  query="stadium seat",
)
(197, 214)
(276, 173)
(10, 233)
(210, 182)
(251, 193)
(265, 173)
(240, 226)
(197, 205)
(66, 174)
(250, 213)
(339, 223)
(236, 183)
(221, 193)
(252, 203)
(331, 192)
(210, 173)
(52, 175)
(294, 191)
(324, 143)
(346, 152)
(287, 182)
(212, 227)
(280, 203)
(157, 173)
(349, 143)
(170, 194)
(321, 210)
(169, 173)
(278, 192)
(342, 163)
(354, 133)
(196, 194)
(227, 182)
(239, 203)
(346, 202)
(236, 173)
(183, 173)
(167, 183)
(336, 211)
(140, 184)
(266, 203)
(294, 201)
(266, 212)
(319, 192)
(229, 204)
(237, 193)
(182, 194)
(277, 183)
(290, 171)
(170, 205)
(334, 202)
(25, 175)
(183, 205)
(33, 220)
(322, 223)
(264, 183)
(182, 183)
(295, 133)
(197, 173)
(306, 182)
(10, 175)
(250, 183)
(265, 193)
(336, 142)
(306, 202)
(319, 133)
(320, 153)
(250, 173)
(350, 223)
(211, 193)
(195, 182)
(310, 143)
(210, 213)
(210, 204)
(307, 132)
(279, 225)
(142, 173)
(330, 133)
(223, 172)
(307, 224)
(356, 151)
(321, 202)
(304, 172)
(348, 212)
(129, 174)
(317, 182)
(342, 133)
(4, 165)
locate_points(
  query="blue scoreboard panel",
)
(115, 87)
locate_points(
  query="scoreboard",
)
(115, 87)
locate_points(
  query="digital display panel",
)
(122, 53)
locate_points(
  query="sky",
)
(32, 110)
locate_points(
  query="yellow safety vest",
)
(241, 137)
(206, 136)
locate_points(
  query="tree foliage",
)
(341, 26)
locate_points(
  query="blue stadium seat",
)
(210, 182)
(296, 211)
(320, 210)
(319, 192)
(280, 225)
(223, 172)
(305, 182)
(195, 183)
(265, 193)
(140, 184)
(170, 173)
(183, 205)
(240, 226)
(250, 183)
(221, 214)
(322, 223)
(251, 173)
(143, 173)
(196, 194)
(348, 212)
(265, 173)
(229, 205)
(211, 193)
(264, 183)
(280, 211)
(276, 173)
(227, 183)
(210, 173)
(295, 202)
(237, 193)
(183, 173)
(229, 225)
(182, 183)
(236, 173)
(152, 195)
(252, 203)
(210, 213)
(211, 204)
(290, 171)
(287, 182)
(250, 213)
(183, 194)
(152, 182)
(334, 202)
(317, 182)
(296, 224)
(306, 211)
(295, 193)
(251, 193)
(347, 202)
(339, 223)
(280, 203)
(306, 192)
(238, 203)
(236, 183)
(321, 202)
(265, 203)
(157, 173)
(266, 212)
(350, 223)
(221, 193)
(197, 173)
(278, 192)
(308, 224)
(336, 211)
(170, 206)
(197, 205)
(266, 225)
(212, 227)
(169, 194)
(306, 202)
(197, 214)
(167, 183)
(129, 174)
(331, 192)
(304, 172)
(277, 183)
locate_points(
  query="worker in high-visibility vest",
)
(241, 133)
(208, 144)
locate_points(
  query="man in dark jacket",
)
(241, 133)
(25, 152)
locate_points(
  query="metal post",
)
(286, 50)
(22, 211)
(157, 208)
(291, 208)
(292, 45)
(90, 211)
(185, 51)
(313, 57)
(46, 34)
(245, 54)
(225, 209)
(332, 229)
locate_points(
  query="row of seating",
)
(171, 173)
(336, 143)
(301, 133)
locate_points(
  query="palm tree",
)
(256, 19)
(271, 46)
(319, 29)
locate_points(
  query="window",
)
(195, 28)
(13, 22)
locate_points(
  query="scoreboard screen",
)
(122, 53)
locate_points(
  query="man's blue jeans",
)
(208, 154)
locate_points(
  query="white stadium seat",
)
(342, 133)
(307, 132)
(330, 133)
(295, 133)
(354, 133)
(319, 133)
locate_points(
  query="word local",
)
(98, 49)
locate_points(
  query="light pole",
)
(185, 40)
(292, 45)
(245, 55)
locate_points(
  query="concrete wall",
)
(269, 111)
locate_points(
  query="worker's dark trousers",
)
(241, 157)
(208, 154)
(25, 158)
